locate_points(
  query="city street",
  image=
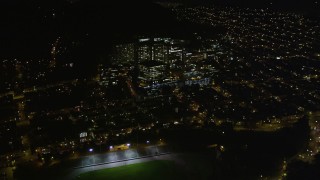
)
(116, 158)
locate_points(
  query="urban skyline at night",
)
(210, 89)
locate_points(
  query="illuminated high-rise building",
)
(144, 52)
(124, 53)
(160, 52)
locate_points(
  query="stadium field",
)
(159, 169)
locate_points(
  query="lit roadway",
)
(38, 88)
(117, 158)
(130, 86)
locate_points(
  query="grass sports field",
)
(160, 169)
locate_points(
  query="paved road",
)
(118, 155)
(117, 158)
